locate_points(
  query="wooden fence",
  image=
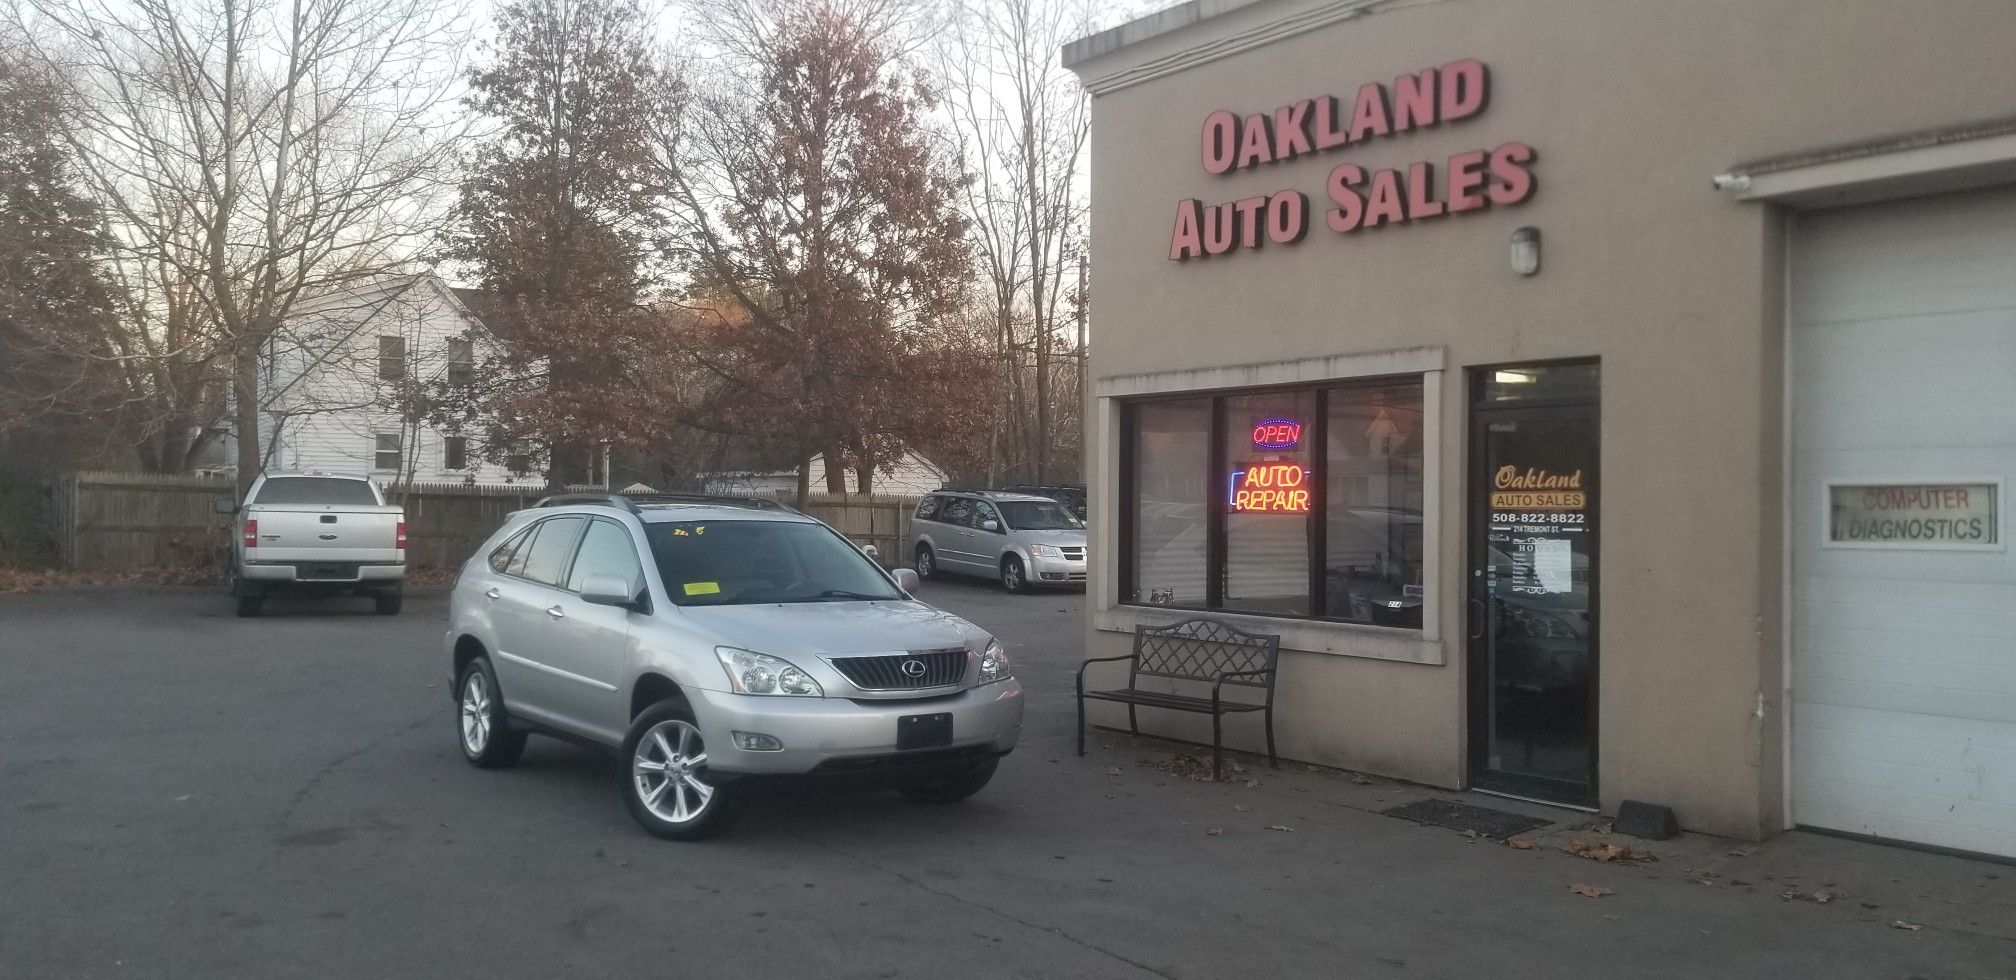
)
(112, 521)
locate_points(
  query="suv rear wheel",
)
(487, 740)
(665, 783)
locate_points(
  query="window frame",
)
(396, 357)
(451, 447)
(377, 451)
(461, 370)
(1215, 497)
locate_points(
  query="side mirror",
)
(608, 590)
(907, 580)
(223, 505)
(994, 526)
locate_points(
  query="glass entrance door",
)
(1533, 582)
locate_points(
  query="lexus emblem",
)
(913, 668)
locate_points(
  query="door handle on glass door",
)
(555, 612)
(1476, 619)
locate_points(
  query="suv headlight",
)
(759, 673)
(1046, 551)
(994, 663)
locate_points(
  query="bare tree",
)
(249, 153)
(1021, 124)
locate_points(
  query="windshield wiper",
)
(845, 594)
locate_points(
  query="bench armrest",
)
(1218, 682)
(1095, 660)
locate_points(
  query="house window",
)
(391, 358)
(1290, 502)
(461, 363)
(520, 464)
(385, 453)
(455, 453)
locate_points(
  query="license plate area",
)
(924, 731)
(325, 573)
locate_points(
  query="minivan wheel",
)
(926, 563)
(955, 789)
(487, 741)
(666, 783)
(1012, 577)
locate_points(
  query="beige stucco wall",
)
(1632, 106)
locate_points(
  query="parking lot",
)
(183, 793)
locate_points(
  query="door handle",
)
(555, 612)
(1476, 619)
(491, 594)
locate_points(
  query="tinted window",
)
(982, 513)
(605, 551)
(500, 560)
(316, 490)
(546, 559)
(927, 509)
(958, 510)
(713, 563)
(1031, 515)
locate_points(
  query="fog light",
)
(757, 742)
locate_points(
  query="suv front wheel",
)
(665, 781)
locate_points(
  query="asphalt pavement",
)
(184, 793)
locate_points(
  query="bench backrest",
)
(1199, 649)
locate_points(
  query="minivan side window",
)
(546, 560)
(982, 513)
(927, 509)
(957, 511)
(606, 550)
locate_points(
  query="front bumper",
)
(823, 735)
(1056, 571)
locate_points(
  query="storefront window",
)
(1170, 454)
(1310, 505)
(1267, 502)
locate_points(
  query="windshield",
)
(723, 563)
(316, 490)
(1038, 515)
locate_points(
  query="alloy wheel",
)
(668, 769)
(475, 713)
(1011, 576)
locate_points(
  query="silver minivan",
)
(1021, 539)
(719, 645)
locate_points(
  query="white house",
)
(346, 376)
(913, 475)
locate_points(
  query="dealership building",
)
(1602, 401)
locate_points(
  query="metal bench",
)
(1193, 650)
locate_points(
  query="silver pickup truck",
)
(317, 534)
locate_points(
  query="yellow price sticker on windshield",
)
(703, 588)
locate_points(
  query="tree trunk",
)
(864, 478)
(836, 471)
(245, 389)
(804, 482)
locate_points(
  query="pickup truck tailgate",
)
(325, 533)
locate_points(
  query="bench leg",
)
(1215, 750)
(1081, 724)
(1133, 727)
(1272, 762)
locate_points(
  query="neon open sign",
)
(1270, 488)
(1277, 434)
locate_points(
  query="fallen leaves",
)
(1281, 827)
(1522, 844)
(1908, 926)
(1215, 832)
(1605, 853)
(1113, 770)
(1590, 891)
(1195, 769)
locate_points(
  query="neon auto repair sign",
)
(1272, 486)
(1359, 200)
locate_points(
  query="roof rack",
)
(629, 501)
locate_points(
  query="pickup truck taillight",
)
(401, 535)
(251, 534)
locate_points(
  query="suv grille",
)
(941, 668)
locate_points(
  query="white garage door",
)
(1904, 447)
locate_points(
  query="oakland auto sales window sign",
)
(1358, 200)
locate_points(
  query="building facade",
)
(1602, 401)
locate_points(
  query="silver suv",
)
(719, 645)
(1019, 538)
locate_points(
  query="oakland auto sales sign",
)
(1358, 200)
